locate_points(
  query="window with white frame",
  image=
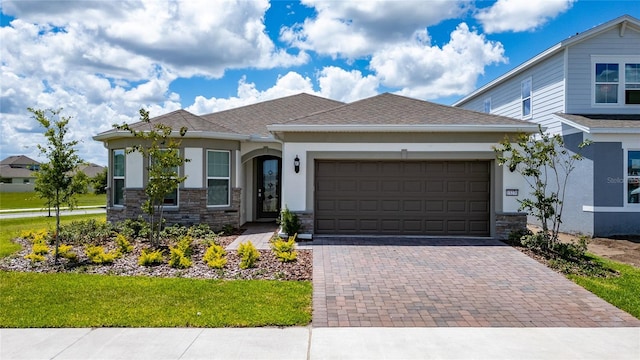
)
(487, 105)
(171, 199)
(526, 98)
(633, 176)
(616, 81)
(117, 184)
(218, 177)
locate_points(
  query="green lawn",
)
(623, 291)
(27, 200)
(80, 300)
(10, 228)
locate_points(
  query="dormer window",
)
(616, 81)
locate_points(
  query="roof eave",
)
(598, 130)
(484, 128)
(189, 135)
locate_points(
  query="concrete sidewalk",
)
(321, 343)
(27, 213)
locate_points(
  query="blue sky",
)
(102, 60)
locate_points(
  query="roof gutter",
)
(598, 130)
(527, 128)
(191, 134)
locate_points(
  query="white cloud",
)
(346, 86)
(290, 84)
(355, 28)
(103, 60)
(520, 15)
(431, 72)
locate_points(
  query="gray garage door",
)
(402, 197)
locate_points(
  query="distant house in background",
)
(585, 87)
(18, 173)
(91, 169)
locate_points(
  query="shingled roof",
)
(390, 109)
(253, 119)
(602, 122)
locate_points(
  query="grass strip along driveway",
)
(80, 300)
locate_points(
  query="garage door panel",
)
(456, 206)
(457, 187)
(402, 197)
(387, 186)
(368, 205)
(478, 206)
(326, 205)
(369, 185)
(347, 205)
(435, 206)
(412, 205)
(479, 186)
(434, 186)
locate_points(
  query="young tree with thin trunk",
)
(159, 147)
(54, 180)
(545, 164)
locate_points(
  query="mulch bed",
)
(267, 267)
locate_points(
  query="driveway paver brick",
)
(446, 282)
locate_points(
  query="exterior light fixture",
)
(296, 164)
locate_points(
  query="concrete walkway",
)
(259, 234)
(321, 343)
(26, 213)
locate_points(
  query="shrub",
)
(515, 237)
(134, 229)
(86, 232)
(537, 241)
(248, 255)
(214, 257)
(285, 250)
(65, 251)
(124, 246)
(38, 236)
(98, 256)
(289, 221)
(200, 231)
(175, 231)
(228, 229)
(150, 257)
(40, 249)
(34, 257)
(180, 254)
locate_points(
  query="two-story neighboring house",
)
(585, 87)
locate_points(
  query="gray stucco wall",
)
(612, 223)
(579, 190)
(608, 174)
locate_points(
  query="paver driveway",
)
(458, 282)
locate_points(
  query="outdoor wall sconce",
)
(296, 164)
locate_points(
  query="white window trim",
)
(522, 99)
(626, 179)
(228, 178)
(620, 60)
(484, 105)
(115, 177)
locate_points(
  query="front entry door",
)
(268, 187)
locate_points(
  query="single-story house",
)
(383, 165)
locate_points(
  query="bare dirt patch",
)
(624, 249)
